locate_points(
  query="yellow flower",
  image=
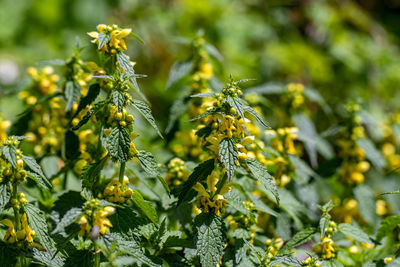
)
(10, 235)
(27, 230)
(116, 35)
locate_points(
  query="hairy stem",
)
(122, 172)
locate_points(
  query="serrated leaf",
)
(372, 153)
(43, 183)
(228, 155)
(204, 132)
(118, 144)
(103, 39)
(145, 110)
(291, 261)
(200, 173)
(69, 218)
(37, 172)
(118, 99)
(91, 173)
(354, 232)
(178, 71)
(125, 64)
(238, 104)
(94, 91)
(387, 226)
(213, 51)
(323, 224)
(89, 114)
(206, 94)
(307, 129)
(206, 113)
(72, 93)
(145, 206)
(299, 238)
(256, 115)
(262, 175)
(47, 258)
(37, 221)
(10, 153)
(209, 232)
(5, 194)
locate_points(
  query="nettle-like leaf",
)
(36, 172)
(387, 226)
(8, 257)
(37, 221)
(145, 206)
(118, 99)
(94, 91)
(10, 153)
(5, 194)
(209, 233)
(127, 67)
(323, 224)
(145, 110)
(178, 71)
(118, 144)
(178, 108)
(68, 219)
(238, 104)
(287, 259)
(206, 113)
(262, 175)
(366, 203)
(206, 94)
(354, 232)
(299, 238)
(149, 165)
(90, 173)
(256, 115)
(72, 93)
(48, 258)
(228, 155)
(372, 153)
(200, 173)
(103, 39)
(96, 107)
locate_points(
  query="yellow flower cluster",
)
(326, 249)
(346, 210)
(122, 118)
(294, 95)
(117, 193)
(12, 235)
(113, 35)
(354, 164)
(283, 140)
(4, 125)
(274, 245)
(94, 220)
(207, 199)
(177, 172)
(44, 83)
(187, 145)
(311, 262)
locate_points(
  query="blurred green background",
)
(345, 49)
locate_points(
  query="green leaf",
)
(103, 39)
(291, 261)
(70, 149)
(200, 173)
(69, 218)
(5, 194)
(89, 114)
(37, 221)
(202, 95)
(47, 258)
(206, 113)
(237, 104)
(366, 203)
(91, 173)
(354, 232)
(255, 114)
(204, 132)
(10, 153)
(125, 64)
(209, 233)
(37, 173)
(145, 110)
(372, 153)
(299, 238)
(145, 206)
(307, 134)
(52, 62)
(391, 193)
(228, 155)
(178, 71)
(387, 226)
(178, 108)
(323, 224)
(72, 93)
(118, 144)
(262, 175)
(94, 91)
(213, 51)
(118, 99)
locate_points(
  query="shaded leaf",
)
(145, 110)
(145, 206)
(228, 155)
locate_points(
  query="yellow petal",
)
(93, 34)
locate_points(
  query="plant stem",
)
(121, 172)
(97, 256)
(16, 211)
(65, 180)
(220, 185)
